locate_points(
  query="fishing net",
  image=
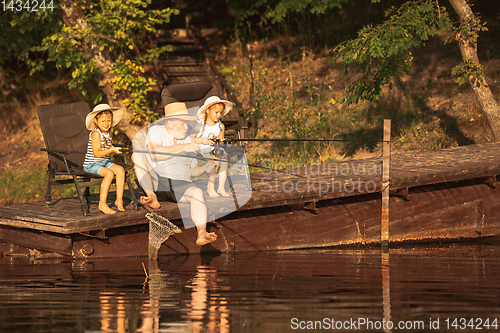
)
(160, 229)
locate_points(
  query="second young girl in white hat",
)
(210, 115)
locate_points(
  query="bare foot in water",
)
(119, 206)
(105, 209)
(151, 202)
(205, 238)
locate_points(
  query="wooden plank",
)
(179, 63)
(183, 74)
(36, 240)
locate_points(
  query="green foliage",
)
(294, 99)
(24, 29)
(469, 69)
(284, 7)
(470, 27)
(276, 11)
(128, 77)
(384, 51)
(317, 23)
(469, 32)
(119, 28)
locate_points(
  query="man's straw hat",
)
(178, 111)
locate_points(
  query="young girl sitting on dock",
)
(100, 145)
(210, 115)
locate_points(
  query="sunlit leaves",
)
(128, 77)
(116, 27)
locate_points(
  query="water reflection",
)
(386, 288)
(255, 292)
(151, 309)
(209, 311)
(113, 310)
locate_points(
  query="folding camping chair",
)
(66, 139)
(194, 94)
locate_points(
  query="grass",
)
(23, 185)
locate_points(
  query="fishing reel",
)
(218, 141)
(219, 151)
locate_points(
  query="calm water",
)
(439, 289)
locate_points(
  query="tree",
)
(385, 51)
(105, 41)
(472, 70)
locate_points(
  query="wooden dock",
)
(437, 195)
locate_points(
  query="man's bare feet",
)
(205, 238)
(105, 209)
(223, 192)
(151, 202)
(119, 206)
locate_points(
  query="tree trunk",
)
(73, 16)
(468, 48)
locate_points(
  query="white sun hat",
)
(228, 106)
(117, 115)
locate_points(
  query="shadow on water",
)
(363, 289)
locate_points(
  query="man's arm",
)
(199, 170)
(180, 149)
(157, 142)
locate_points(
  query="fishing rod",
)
(196, 156)
(203, 158)
(226, 140)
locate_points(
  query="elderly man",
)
(168, 166)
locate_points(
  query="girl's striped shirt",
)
(106, 143)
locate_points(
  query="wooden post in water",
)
(386, 147)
